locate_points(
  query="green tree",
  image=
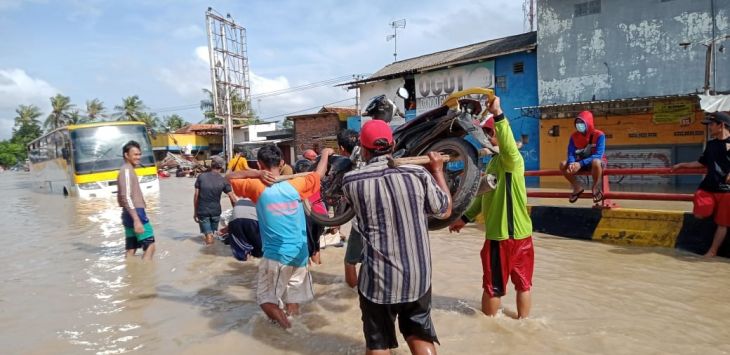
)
(60, 107)
(240, 109)
(172, 123)
(26, 133)
(11, 153)
(206, 105)
(27, 114)
(287, 124)
(95, 110)
(151, 121)
(131, 109)
(75, 117)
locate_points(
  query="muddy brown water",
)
(67, 289)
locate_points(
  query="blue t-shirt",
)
(282, 225)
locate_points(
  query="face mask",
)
(581, 127)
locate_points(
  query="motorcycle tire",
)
(463, 195)
(343, 216)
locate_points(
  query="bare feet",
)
(208, 239)
(276, 314)
(710, 254)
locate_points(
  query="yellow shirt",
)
(238, 163)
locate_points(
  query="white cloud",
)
(188, 32)
(15, 4)
(18, 88)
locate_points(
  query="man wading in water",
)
(138, 231)
(391, 206)
(508, 251)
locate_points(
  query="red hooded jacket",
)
(591, 136)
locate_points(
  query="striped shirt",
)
(392, 206)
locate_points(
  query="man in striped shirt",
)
(392, 206)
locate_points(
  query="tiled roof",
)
(192, 128)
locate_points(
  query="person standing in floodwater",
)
(713, 195)
(508, 251)
(138, 230)
(395, 276)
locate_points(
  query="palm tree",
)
(206, 105)
(132, 109)
(95, 110)
(240, 109)
(150, 120)
(173, 123)
(27, 114)
(60, 105)
(75, 117)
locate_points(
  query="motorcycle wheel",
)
(462, 177)
(343, 213)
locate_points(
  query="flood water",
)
(67, 289)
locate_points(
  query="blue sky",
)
(156, 49)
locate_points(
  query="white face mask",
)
(581, 127)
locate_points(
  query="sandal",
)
(575, 195)
(597, 196)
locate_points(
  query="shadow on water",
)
(680, 255)
(227, 312)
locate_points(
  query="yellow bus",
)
(83, 160)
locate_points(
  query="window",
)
(518, 67)
(501, 82)
(588, 8)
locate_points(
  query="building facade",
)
(637, 65)
(508, 65)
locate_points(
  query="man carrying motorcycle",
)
(395, 276)
(508, 251)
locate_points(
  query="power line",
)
(303, 87)
(307, 109)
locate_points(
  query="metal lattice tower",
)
(229, 73)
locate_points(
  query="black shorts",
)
(414, 319)
(133, 243)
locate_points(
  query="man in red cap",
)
(310, 155)
(586, 152)
(392, 206)
(713, 196)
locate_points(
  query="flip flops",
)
(597, 196)
(575, 195)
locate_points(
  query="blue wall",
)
(521, 91)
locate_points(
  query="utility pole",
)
(395, 25)
(528, 9)
(229, 74)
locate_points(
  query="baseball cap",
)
(217, 162)
(309, 154)
(376, 134)
(488, 123)
(719, 117)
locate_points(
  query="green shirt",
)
(505, 208)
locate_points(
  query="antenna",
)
(395, 25)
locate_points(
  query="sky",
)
(157, 49)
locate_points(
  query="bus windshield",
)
(100, 148)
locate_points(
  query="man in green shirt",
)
(508, 251)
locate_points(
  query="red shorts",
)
(706, 203)
(510, 258)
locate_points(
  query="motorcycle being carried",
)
(442, 129)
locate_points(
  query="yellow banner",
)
(673, 112)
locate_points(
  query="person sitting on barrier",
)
(713, 194)
(586, 151)
(508, 251)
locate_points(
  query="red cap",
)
(374, 130)
(309, 154)
(488, 123)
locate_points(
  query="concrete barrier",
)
(646, 228)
